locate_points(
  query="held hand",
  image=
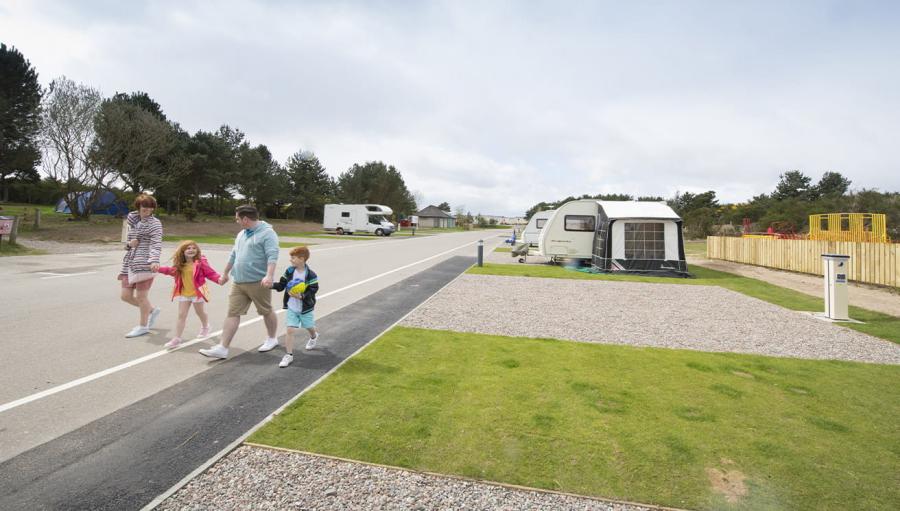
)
(134, 243)
(154, 267)
(266, 282)
(223, 279)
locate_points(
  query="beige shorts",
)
(249, 292)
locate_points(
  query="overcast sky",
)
(499, 105)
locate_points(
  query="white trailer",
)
(355, 218)
(533, 229)
(569, 232)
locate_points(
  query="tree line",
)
(787, 207)
(84, 142)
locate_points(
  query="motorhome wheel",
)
(339, 231)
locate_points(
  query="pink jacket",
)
(202, 272)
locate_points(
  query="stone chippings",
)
(266, 479)
(705, 318)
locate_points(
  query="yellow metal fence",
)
(872, 263)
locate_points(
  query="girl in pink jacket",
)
(191, 271)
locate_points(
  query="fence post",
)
(15, 230)
(37, 219)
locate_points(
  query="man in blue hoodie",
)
(252, 266)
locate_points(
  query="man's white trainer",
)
(286, 360)
(153, 315)
(269, 345)
(217, 351)
(138, 331)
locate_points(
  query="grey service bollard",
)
(480, 253)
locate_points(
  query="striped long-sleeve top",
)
(148, 231)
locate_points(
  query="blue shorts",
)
(297, 320)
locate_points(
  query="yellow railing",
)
(873, 263)
(859, 227)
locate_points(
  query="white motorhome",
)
(533, 229)
(355, 218)
(616, 236)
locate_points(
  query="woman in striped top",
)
(141, 261)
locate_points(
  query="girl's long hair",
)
(179, 258)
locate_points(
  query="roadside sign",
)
(6, 224)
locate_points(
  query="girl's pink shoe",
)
(204, 332)
(174, 343)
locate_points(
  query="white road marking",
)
(146, 358)
(62, 275)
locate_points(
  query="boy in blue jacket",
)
(300, 285)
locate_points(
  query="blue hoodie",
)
(254, 249)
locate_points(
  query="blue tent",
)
(107, 204)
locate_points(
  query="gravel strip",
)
(255, 478)
(706, 318)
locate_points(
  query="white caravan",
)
(352, 218)
(535, 224)
(569, 232)
(616, 236)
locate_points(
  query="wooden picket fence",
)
(872, 263)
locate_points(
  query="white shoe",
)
(311, 343)
(286, 360)
(269, 345)
(153, 315)
(217, 351)
(138, 331)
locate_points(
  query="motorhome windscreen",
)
(645, 240)
(580, 223)
(540, 223)
(376, 219)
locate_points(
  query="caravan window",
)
(540, 223)
(645, 241)
(345, 214)
(376, 219)
(580, 223)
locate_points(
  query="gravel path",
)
(255, 478)
(706, 318)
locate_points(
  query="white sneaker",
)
(286, 360)
(217, 351)
(269, 345)
(153, 315)
(138, 331)
(311, 343)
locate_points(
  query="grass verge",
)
(673, 427)
(14, 249)
(875, 323)
(227, 240)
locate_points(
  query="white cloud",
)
(499, 106)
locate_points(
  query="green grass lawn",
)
(227, 240)
(875, 323)
(313, 234)
(695, 248)
(643, 424)
(10, 249)
(503, 249)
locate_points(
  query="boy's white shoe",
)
(153, 315)
(311, 343)
(286, 360)
(217, 351)
(269, 345)
(138, 331)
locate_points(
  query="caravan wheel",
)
(339, 231)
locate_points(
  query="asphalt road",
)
(127, 458)
(65, 364)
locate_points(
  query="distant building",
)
(506, 220)
(434, 217)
